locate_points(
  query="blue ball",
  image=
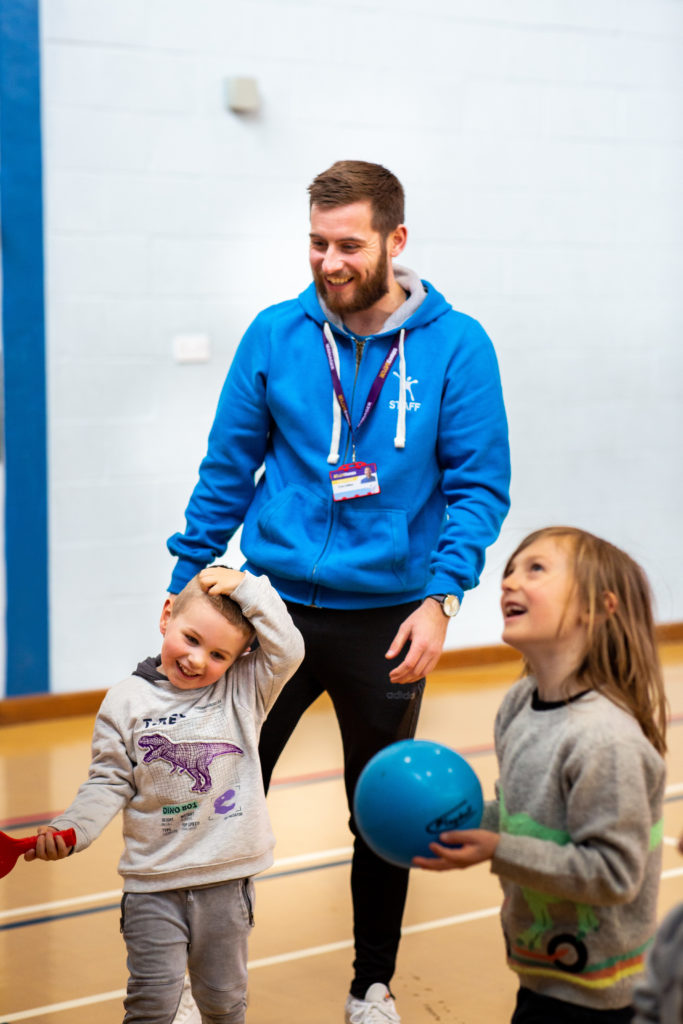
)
(409, 793)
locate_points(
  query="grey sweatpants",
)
(205, 930)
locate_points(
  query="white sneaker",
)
(378, 1007)
(188, 1011)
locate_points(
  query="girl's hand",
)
(475, 845)
(218, 579)
(47, 847)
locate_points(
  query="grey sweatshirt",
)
(183, 765)
(579, 810)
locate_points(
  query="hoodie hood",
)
(149, 669)
(422, 305)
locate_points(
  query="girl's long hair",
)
(621, 659)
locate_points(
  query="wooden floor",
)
(62, 959)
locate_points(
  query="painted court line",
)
(73, 1004)
(297, 954)
(672, 873)
(306, 858)
(39, 908)
(280, 862)
(115, 894)
(332, 947)
(304, 780)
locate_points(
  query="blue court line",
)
(49, 918)
(58, 917)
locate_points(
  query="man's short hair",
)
(228, 608)
(352, 181)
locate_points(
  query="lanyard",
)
(373, 393)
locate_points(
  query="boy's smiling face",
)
(199, 644)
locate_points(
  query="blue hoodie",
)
(441, 453)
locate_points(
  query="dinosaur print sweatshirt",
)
(183, 765)
(579, 811)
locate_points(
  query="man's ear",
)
(397, 240)
(610, 602)
(165, 615)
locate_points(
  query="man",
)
(368, 366)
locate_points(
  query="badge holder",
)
(354, 480)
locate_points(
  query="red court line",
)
(286, 780)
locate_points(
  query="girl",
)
(575, 830)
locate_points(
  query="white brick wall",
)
(540, 144)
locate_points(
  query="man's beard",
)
(366, 293)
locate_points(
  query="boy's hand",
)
(218, 579)
(47, 847)
(475, 845)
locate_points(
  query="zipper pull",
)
(360, 345)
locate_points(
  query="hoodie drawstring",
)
(400, 438)
(333, 457)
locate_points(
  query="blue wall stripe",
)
(23, 333)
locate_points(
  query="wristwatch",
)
(450, 604)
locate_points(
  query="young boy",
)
(658, 995)
(175, 747)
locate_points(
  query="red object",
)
(12, 849)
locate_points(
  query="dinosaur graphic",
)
(539, 904)
(193, 758)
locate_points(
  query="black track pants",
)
(533, 1008)
(345, 656)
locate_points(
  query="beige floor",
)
(62, 960)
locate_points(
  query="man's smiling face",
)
(348, 258)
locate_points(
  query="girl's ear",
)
(610, 601)
(165, 615)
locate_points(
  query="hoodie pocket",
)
(369, 551)
(286, 535)
(352, 545)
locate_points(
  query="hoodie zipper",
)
(360, 347)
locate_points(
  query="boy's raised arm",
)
(280, 644)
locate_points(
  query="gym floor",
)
(62, 958)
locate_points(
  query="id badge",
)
(354, 480)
